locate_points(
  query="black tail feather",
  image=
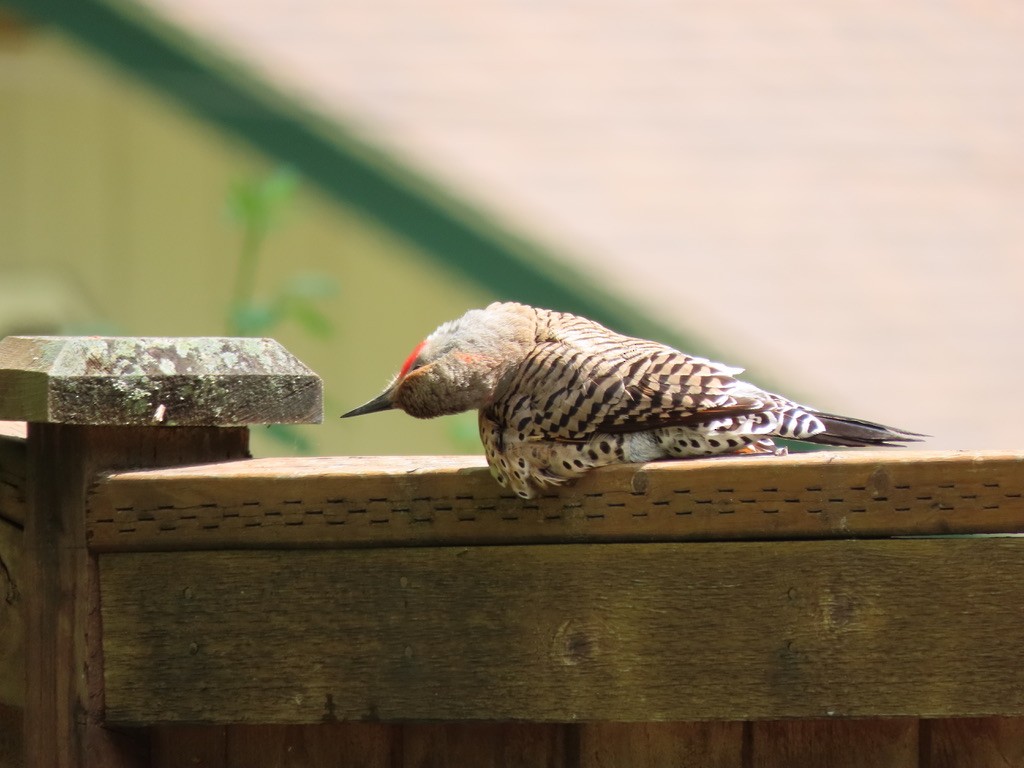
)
(850, 432)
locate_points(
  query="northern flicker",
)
(558, 394)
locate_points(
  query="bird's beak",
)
(381, 402)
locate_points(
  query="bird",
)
(558, 395)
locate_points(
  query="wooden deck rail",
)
(430, 501)
(185, 605)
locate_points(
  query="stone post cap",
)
(203, 381)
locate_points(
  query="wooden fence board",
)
(12, 475)
(12, 748)
(386, 501)
(835, 744)
(63, 655)
(679, 745)
(12, 591)
(12, 616)
(328, 745)
(653, 632)
(195, 746)
(993, 742)
(365, 745)
(486, 745)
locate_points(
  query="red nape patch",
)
(411, 359)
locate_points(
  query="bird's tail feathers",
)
(850, 432)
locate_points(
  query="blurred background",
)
(830, 194)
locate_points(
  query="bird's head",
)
(461, 366)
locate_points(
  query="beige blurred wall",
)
(118, 198)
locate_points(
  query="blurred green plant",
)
(464, 432)
(257, 206)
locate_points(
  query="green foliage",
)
(295, 300)
(464, 432)
(257, 206)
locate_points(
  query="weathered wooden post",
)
(12, 634)
(96, 404)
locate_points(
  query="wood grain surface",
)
(487, 745)
(681, 745)
(331, 745)
(653, 632)
(12, 751)
(385, 501)
(835, 743)
(155, 381)
(13, 451)
(63, 655)
(994, 742)
(12, 616)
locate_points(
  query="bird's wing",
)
(631, 386)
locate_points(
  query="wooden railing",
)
(181, 604)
